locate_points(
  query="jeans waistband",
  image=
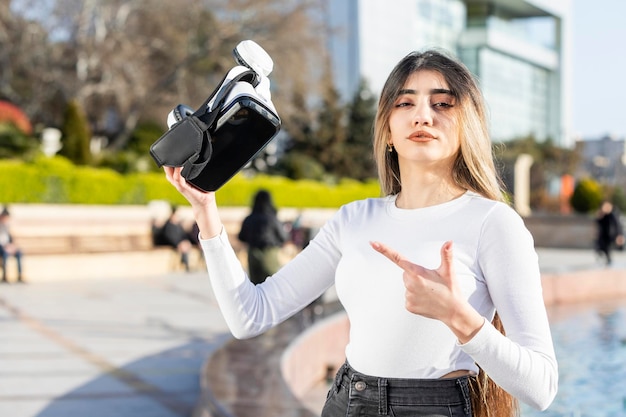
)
(449, 391)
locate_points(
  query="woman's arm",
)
(247, 308)
(522, 362)
(251, 309)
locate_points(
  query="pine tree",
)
(76, 135)
(358, 156)
(330, 136)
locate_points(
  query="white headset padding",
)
(177, 114)
(244, 89)
(254, 56)
(234, 72)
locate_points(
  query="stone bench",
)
(84, 242)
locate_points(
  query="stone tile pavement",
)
(106, 347)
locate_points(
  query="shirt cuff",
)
(215, 242)
(476, 343)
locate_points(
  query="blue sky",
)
(599, 68)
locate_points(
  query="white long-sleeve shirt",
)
(496, 267)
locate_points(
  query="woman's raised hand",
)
(195, 196)
(203, 203)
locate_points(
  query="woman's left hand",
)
(435, 293)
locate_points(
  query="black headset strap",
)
(223, 93)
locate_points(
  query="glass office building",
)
(517, 48)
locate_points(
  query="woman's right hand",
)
(203, 203)
(196, 197)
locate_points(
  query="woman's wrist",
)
(208, 219)
(465, 323)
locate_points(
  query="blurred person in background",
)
(264, 235)
(173, 234)
(609, 231)
(8, 248)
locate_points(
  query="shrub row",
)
(57, 181)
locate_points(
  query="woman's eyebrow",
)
(433, 91)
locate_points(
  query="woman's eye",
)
(404, 104)
(443, 105)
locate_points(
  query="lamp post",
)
(522, 184)
(50, 141)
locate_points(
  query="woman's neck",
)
(420, 191)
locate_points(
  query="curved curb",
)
(283, 364)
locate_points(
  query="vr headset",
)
(228, 130)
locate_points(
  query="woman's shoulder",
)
(493, 212)
(366, 204)
(361, 208)
(487, 205)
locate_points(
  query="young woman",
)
(421, 272)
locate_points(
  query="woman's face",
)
(423, 122)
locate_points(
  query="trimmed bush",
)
(56, 180)
(587, 196)
(15, 143)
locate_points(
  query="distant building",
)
(603, 159)
(518, 49)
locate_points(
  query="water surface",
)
(590, 344)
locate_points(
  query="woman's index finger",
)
(393, 255)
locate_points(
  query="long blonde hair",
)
(473, 169)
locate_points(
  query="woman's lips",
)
(421, 136)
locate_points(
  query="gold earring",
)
(389, 147)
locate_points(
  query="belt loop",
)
(382, 397)
(339, 377)
(463, 384)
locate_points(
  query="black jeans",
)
(354, 394)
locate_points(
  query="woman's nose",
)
(423, 114)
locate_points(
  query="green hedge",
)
(56, 180)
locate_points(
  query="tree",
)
(618, 198)
(297, 161)
(16, 140)
(127, 61)
(316, 142)
(358, 160)
(14, 143)
(76, 135)
(336, 143)
(329, 141)
(27, 73)
(587, 196)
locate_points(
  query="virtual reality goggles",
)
(228, 130)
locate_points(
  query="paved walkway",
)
(126, 348)
(106, 347)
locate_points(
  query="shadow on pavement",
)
(162, 385)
